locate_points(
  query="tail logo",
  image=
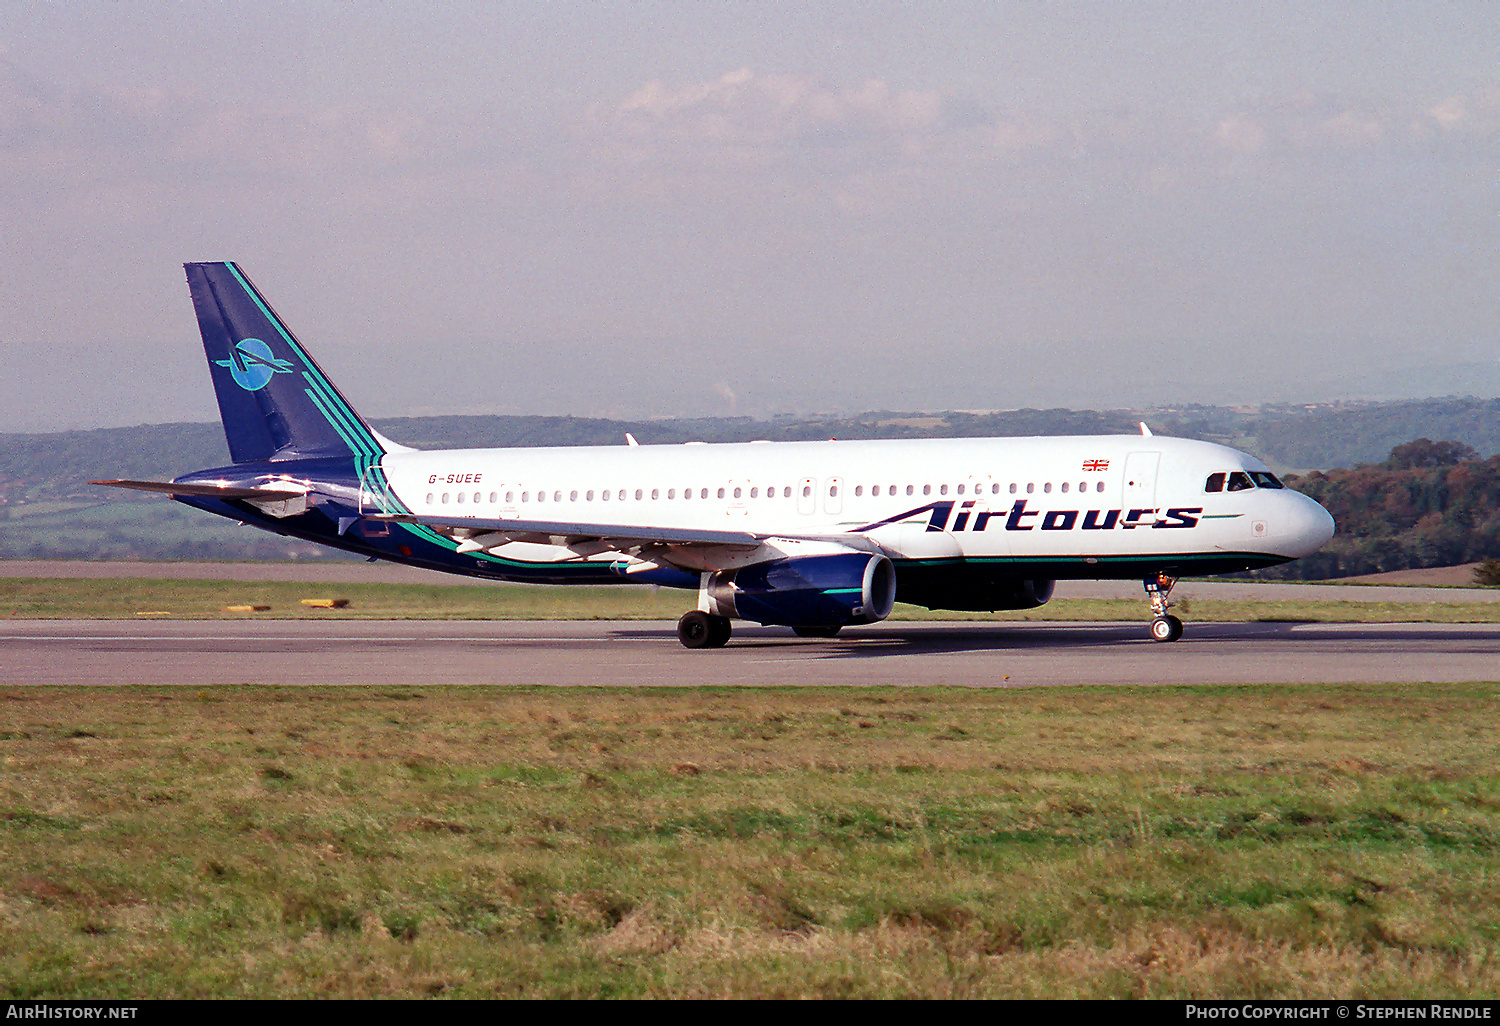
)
(252, 364)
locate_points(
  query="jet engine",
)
(807, 591)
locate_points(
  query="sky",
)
(652, 208)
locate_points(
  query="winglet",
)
(1145, 430)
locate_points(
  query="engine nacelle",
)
(807, 591)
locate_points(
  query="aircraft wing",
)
(685, 548)
(577, 532)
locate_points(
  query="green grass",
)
(111, 598)
(1256, 841)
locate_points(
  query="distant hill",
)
(1324, 438)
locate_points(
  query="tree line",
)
(1428, 504)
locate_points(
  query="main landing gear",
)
(1164, 626)
(698, 629)
(704, 630)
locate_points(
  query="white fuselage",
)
(1055, 498)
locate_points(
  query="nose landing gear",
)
(1164, 626)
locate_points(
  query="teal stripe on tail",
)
(275, 401)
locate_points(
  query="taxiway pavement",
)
(637, 653)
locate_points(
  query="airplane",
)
(814, 536)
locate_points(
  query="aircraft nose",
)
(1309, 526)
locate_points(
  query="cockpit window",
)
(1240, 480)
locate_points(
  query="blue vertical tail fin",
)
(275, 401)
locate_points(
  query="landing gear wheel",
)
(1166, 628)
(718, 631)
(816, 632)
(698, 629)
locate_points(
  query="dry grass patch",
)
(128, 598)
(1210, 842)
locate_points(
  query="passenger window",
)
(1047, 488)
(961, 489)
(910, 490)
(525, 496)
(1012, 488)
(721, 493)
(786, 493)
(476, 497)
(755, 492)
(604, 495)
(1215, 483)
(460, 496)
(859, 490)
(671, 493)
(1239, 481)
(429, 498)
(942, 489)
(736, 493)
(927, 489)
(1030, 488)
(703, 493)
(1065, 487)
(806, 490)
(1099, 487)
(557, 495)
(445, 498)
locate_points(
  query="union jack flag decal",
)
(1096, 464)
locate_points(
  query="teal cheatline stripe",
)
(351, 435)
(333, 422)
(390, 502)
(334, 407)
(264, 309)
(336, 402)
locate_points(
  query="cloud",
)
(743, 104)
(1316, 125)
(124, 129)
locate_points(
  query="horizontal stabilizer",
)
(210, 490)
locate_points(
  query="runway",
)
(635, 653)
